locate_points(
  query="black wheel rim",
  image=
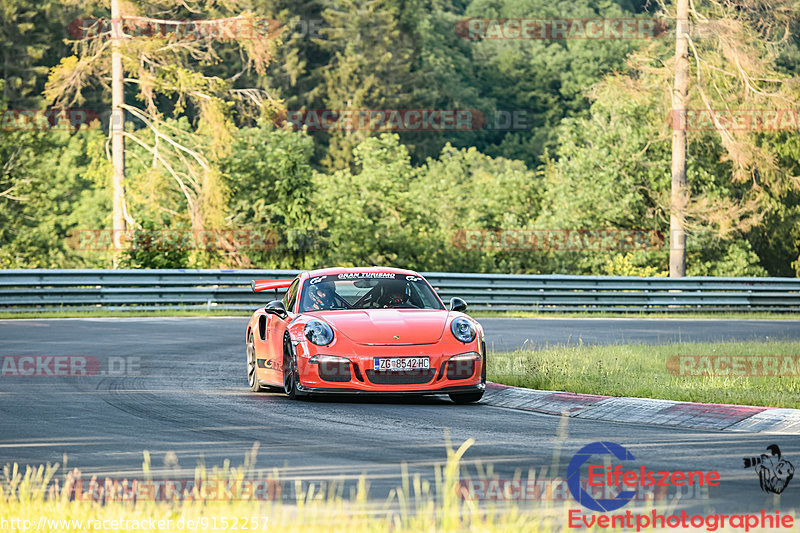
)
(251, 361)
(288, 372)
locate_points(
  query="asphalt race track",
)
(184, 398)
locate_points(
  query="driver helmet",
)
(394, 293)
(322, 295)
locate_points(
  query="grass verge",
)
(641, 371)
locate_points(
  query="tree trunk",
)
(117, 128)
(679, 194)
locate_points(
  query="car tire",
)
(483, 369)
(466, 397)
(290, 377)
(252, 374)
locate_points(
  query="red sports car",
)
(364, 330)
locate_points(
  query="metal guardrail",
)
(27, 290)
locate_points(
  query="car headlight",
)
(463, 329)
(319, 333)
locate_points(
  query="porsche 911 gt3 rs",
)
(364, 330)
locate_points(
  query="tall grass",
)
(415, 506)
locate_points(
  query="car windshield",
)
(367, 290)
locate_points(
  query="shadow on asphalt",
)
(378, 399)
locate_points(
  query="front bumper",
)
(355, 373)
(446, 390)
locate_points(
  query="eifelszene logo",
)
(774, 472)
(608, 477)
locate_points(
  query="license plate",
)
(400, 363)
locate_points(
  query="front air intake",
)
(401, 377)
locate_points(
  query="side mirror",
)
(457, 304)
(276, 307)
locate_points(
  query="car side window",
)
(291, 296)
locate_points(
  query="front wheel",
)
(252, 374)
(289, 370)
(466, 397)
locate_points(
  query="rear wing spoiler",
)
(259, 285)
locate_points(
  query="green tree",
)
(369, 67)
(612, 171)
(31, 35)
(49, 189)
(364, 211)
(544, 79)
(270, 177)
(389, 213)
(174, 74)
(464, 189)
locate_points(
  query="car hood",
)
(389, 326)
